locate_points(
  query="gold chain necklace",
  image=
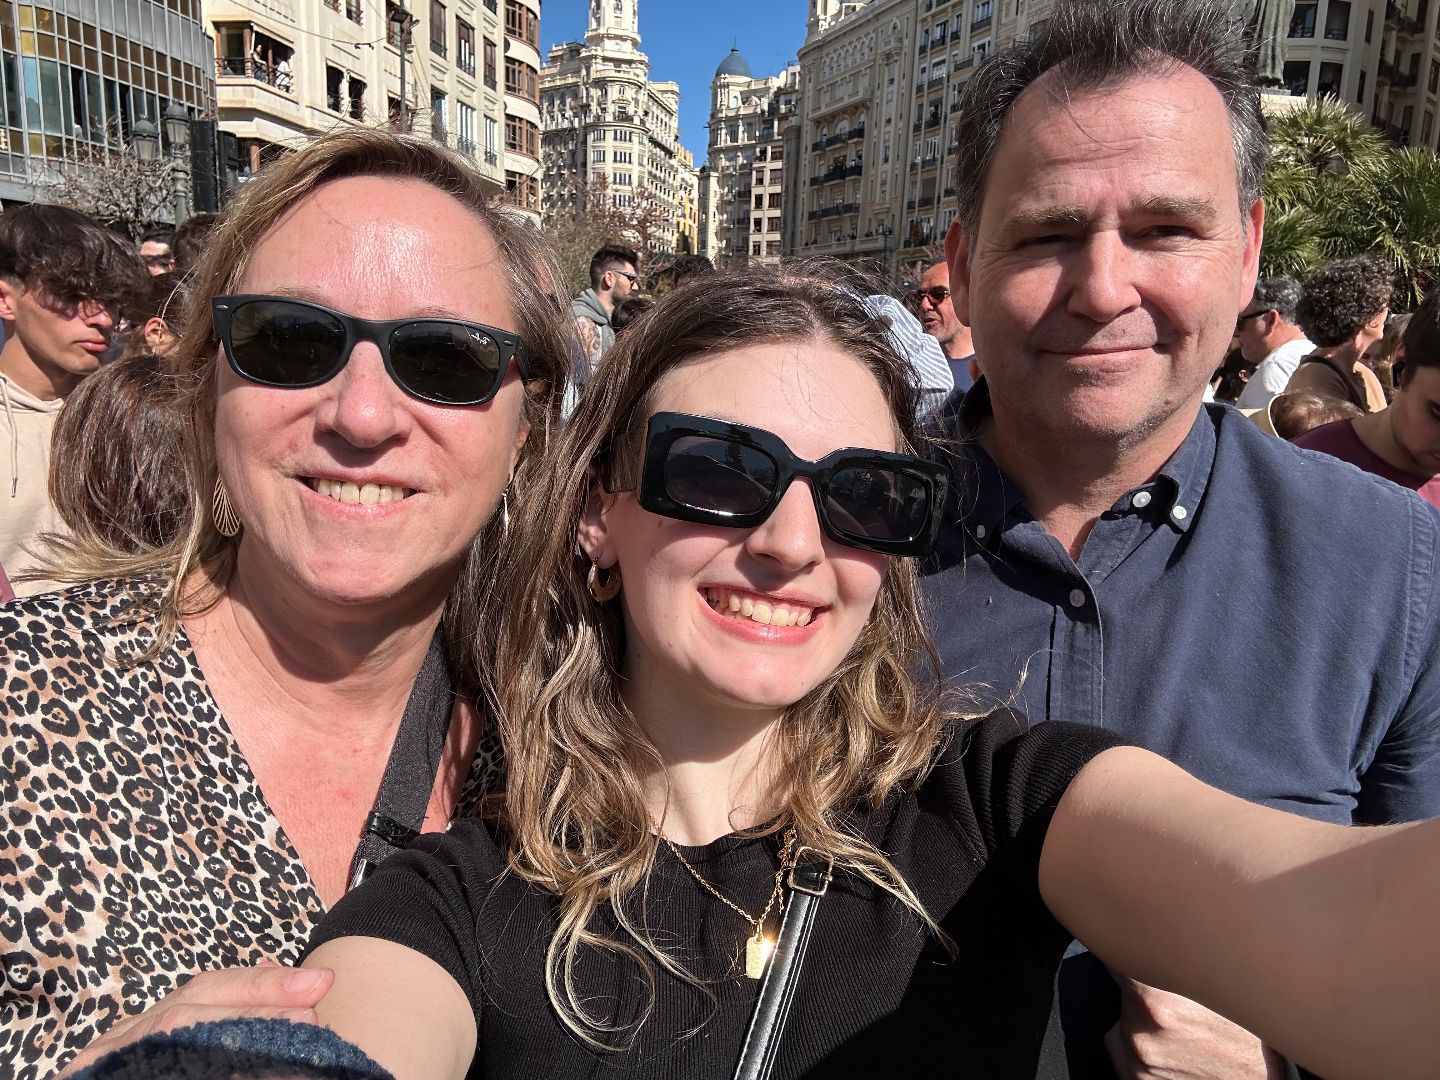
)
(757, 947)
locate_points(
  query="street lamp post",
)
(177, 145)
(145, 137)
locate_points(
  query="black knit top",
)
(879, 995)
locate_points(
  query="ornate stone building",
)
(1381, 57)
(603, 117)
(743, 197)
(881, 84)
(464, 71)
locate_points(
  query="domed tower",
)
(731, 68)
(734, 64)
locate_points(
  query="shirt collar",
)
(987, 497)
(1182, 480)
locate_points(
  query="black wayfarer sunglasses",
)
(714, 472)
(294, 344)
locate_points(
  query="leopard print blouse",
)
(135, 846)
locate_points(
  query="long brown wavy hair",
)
(574, 814)
(261, 203)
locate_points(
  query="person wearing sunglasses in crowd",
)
(196, 736)
(930, 301)
(708, 628)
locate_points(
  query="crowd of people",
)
(417, 674)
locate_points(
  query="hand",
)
(1162, 1036)
(270, 991)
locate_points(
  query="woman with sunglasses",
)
(708, 633)
(196, 737)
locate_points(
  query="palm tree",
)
(1336, 188)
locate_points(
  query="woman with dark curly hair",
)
(1343, 310)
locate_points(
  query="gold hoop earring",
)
(226, 521)
(603, 590)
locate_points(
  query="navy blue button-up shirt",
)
(1264, 616)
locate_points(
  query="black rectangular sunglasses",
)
(294, 344)
(714, 472)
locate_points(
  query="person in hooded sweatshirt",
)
(63, 279)
(614, 276)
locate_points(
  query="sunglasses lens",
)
(285, 344)
(877, 503)
(726, 477)
(446, 362)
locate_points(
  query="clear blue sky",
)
(686, 40)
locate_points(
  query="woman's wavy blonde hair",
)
(260, 204)
(574, 815)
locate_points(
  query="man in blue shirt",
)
(1121, 554)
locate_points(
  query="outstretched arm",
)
(1321, 939)
(397, 1005)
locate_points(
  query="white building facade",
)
(465, 72)
(748, 171)
(605, 122)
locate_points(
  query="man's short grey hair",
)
(1279, 294)
(1096, 44)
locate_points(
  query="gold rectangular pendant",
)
(757, 955)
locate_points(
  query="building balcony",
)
(843, 172)
(1390, 73)
(863, 245)
(1406, 25)
(981, 24)
(276, 77)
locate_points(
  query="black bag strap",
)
(409, 778)
(809, 879)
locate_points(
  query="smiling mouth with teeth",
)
(343, 491)
(735, 605)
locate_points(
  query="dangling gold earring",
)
(226, 521)
(505, 510)
(603, 590)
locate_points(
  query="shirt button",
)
(981, 532)
(1179, 513)
(1141, 500)
(1077, 598)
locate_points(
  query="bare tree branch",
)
(598, 214)
(112, 185)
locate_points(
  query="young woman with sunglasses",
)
(196, 736)
(707, 635)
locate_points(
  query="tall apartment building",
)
(1380, 56)
(687, 218)
(603, 117)
(743, 201)
(287, 70)
(881, 86)
(80, 75)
